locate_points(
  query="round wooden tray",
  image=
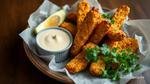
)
(43, 66)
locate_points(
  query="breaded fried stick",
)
(82, 9)
(126, 43)
(99, 32)
(116, 34)
(96, 68)
(72, 16)
(87, 27)
(70, 27)
(79, 63)
(119, 17)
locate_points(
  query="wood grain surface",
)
(15, 67)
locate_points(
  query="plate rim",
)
(39, 64)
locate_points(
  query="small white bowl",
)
(59, 55)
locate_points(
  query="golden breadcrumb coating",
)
(117, 34)
(79, 63)
(83, 8)
(97, 68)
(70, 27)
(119, 17)
(72, 16)
(87, 27)
(99, 32)
(126, 43)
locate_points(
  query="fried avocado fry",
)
(119, 17)
(87, 27)
(117, 34)
(82, 9)
(99, 32)
(70, 27)
(79, 63)
(97, 68)
(72, 16)
(126, 43)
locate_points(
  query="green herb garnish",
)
(112, 21)
(92, 54)
(109, 17)
(123, 62)
(105, 50)
(137, 67)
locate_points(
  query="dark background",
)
(15, 68)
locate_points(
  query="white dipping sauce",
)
(53, 40)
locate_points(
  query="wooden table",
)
(15, 68)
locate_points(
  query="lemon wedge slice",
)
(53, 20)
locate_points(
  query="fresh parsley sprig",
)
(124, 61)
(92, 54)
(109, 17)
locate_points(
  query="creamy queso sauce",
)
(53, 40)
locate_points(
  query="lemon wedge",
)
(53, 20)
